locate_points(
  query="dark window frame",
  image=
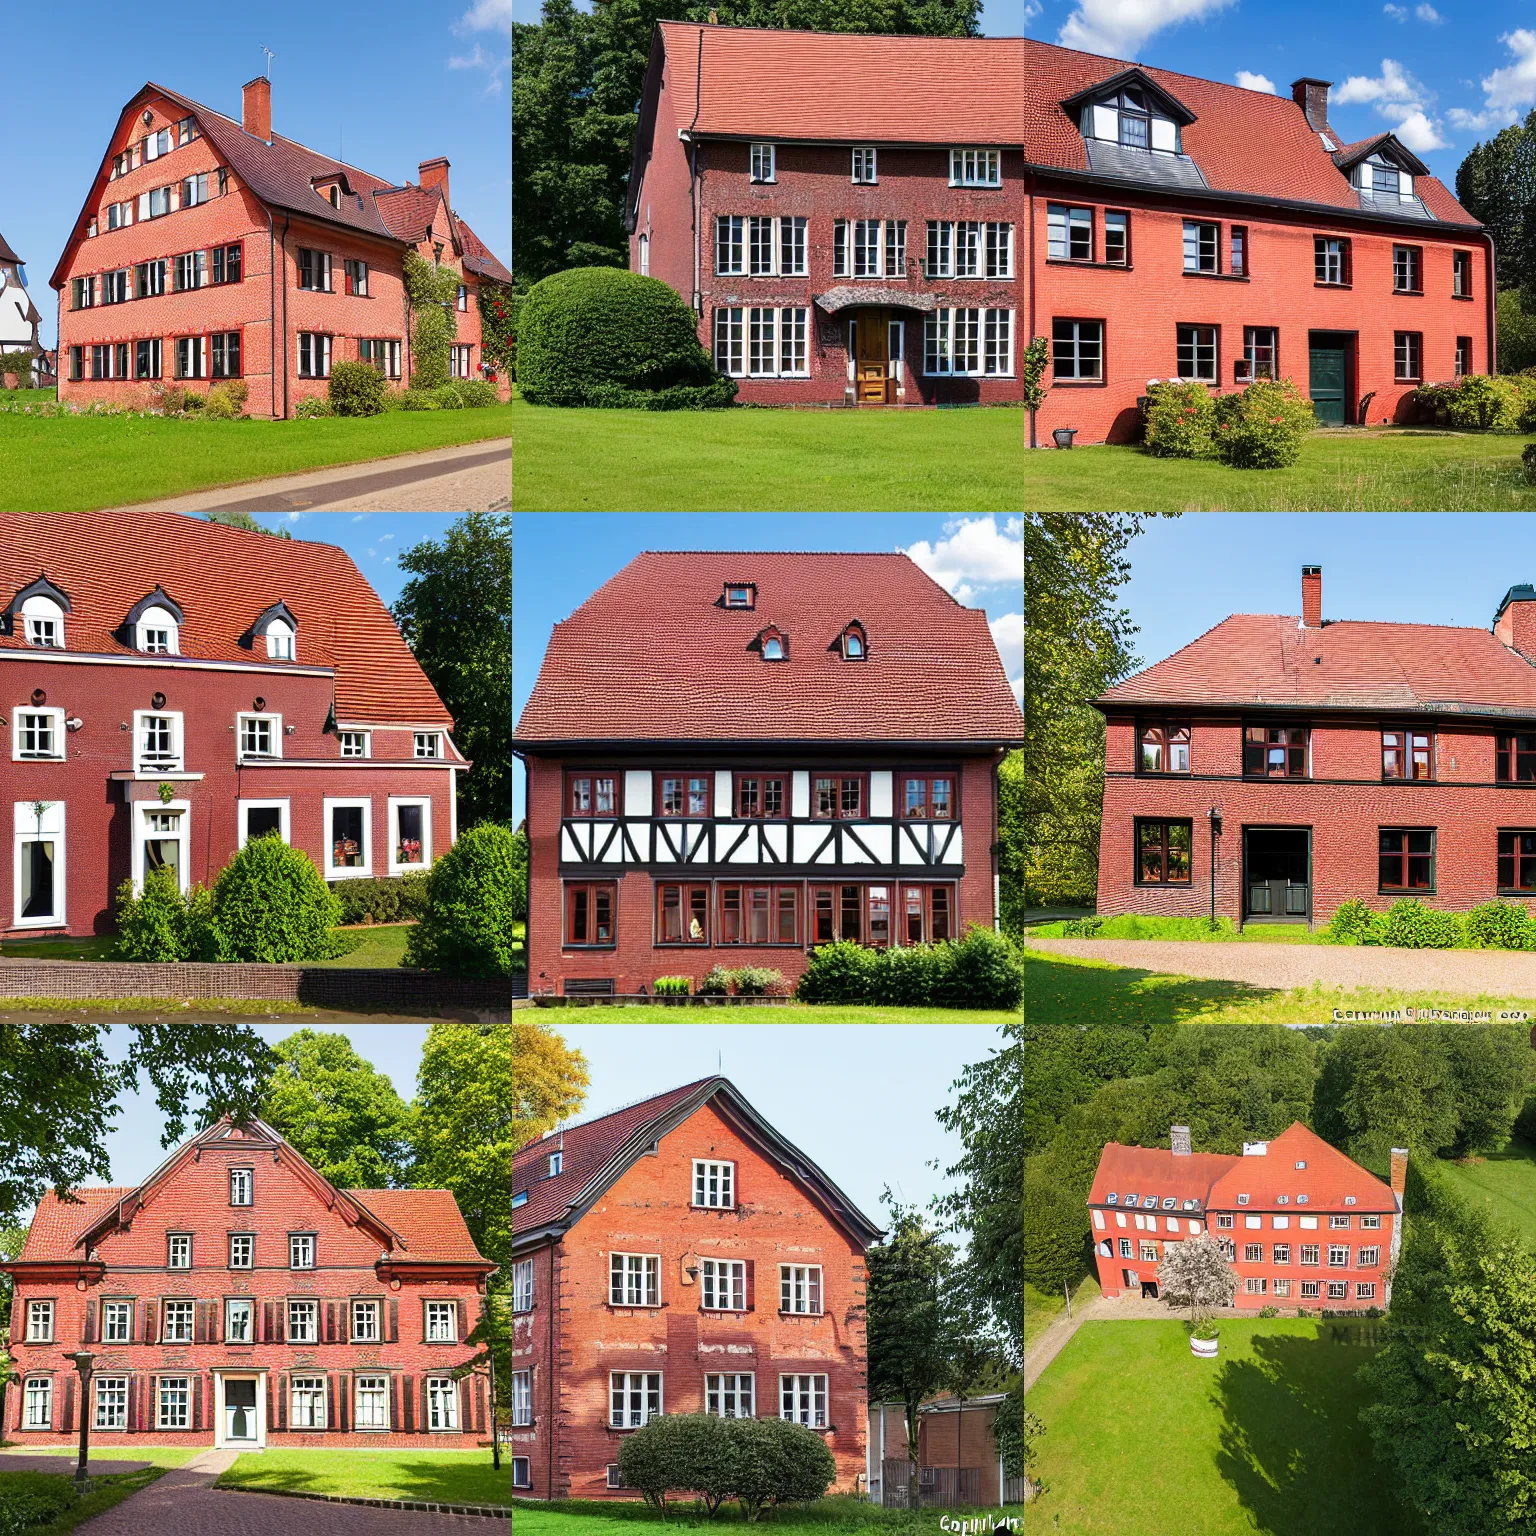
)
(899, 796)
(1124, 259)
(1246, 366)
(591, 775)
(1507, 753)
(841, 780)
(1461, 275)
(1214, 376)
(1166, 823)
(1076, 342)
(1320, 259)
(1404, 854)
(1413, 265)
(1163, 731)
(590, 888)
(658, 801)
(1237, 248)
(743, 889)
(1411, 748)
(785, 781)
(1264, 747)
(687, 890)
(1073, 227)
(1516, 858)
(1463, 355)
(1202, 228)
(1407, 356)
(928, 889)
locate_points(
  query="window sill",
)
(1463, 298)
(1164, 885)
(1390, 890)
(625, 1306)
(587, 949)
(1345, 286)
(1221, 277)
(1074, 261)
(1080, 384)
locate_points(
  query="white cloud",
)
(1252, 82)
(293, 517)
(373, 554)
(1512, 89)
(384, 538)
(1396, 12)
(1476, 122)
(1428, 13)
(1414, 130)
(486, 16)
(1120, 27)
(359, 517)
(478, 58)
(974, 553)
(1031, 10)
(1393, 84)
(1008, 637)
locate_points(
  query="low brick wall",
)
(374, 991)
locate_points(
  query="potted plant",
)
(1195, 1273)
(1036, 356)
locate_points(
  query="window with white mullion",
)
(967, 248)
(714, 1184)
(729, 353)
(37, 1411)
(999, 249)
(864, 167)
(729, 235)
(792, 247)
(941, 248)
(724, 1285)
(792, 341)
(997, 341)
(803, 1400)
(634, 1398)
(895, 247)
(867, 249)
(953, 341)
(730, 1396)
(760, 246)
(840, 248)
(975, 168)
(634, 1279)
(762, 342)
(800, 1288)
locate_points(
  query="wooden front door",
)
(872, 358)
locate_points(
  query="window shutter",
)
(425, 1429)
(266, 1321)
(90, 1322)
(197, 1402)
(215, 1324)
(408, 1402)
(67, 1419)
(149, 1322)
(394, 1401)
(133, 1402)
(463, 1315)
(344, 1322)
(341, 1399)
(200, 1323)
(394, 1322)
(330, 1322)
(466, 1405)
(278, 1312)
(282, 1401)
(479, 1406)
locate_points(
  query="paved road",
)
(473, 477)
(1492, 972)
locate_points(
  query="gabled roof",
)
(1347, 155)
(7, 254)
(410, 210)
(428, 1221)
(223, 578)
(56, 1223)
(478, 256)
(1270, 660)
(1156, 1171)
(652, 655)
(595, 1153)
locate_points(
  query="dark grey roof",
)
(7, 254)
(1149, 165)
(1395, 207)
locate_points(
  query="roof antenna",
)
(270, 56)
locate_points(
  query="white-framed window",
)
(714, 1184)
(460, 365)
(237, 1320)
(43, 622)
(116, 1322)
(442, 1322)
(176, 1325)
(800, 1288)
(442, 1402)
(301, 1250)
(730, 342)
(864, 166)
(868, 249)
(1338, 1290)
(760, 161)
(260, 817)
(731, 1396)
(975, 168)
(111, 1402)
(895, 247)
(634, 1397)
(303, 1325)
(1339, 1223)
(279, 634)
(724, 1285)
(163, 840)
(158, 632)
(972, 342)
(314, 356)
(37, 734)
(259, 735)
(522, 1286)
(1338, 1256)
(522, 1476)
(39, 864)
(178, 1250)
(158, 738)
(39, 1322)
(1365, 1290)
(355, 743)
(775, 246)
(1309, 1289)
(349, 839)
(242, 1250)
(634, 1280)
(37, 1409)
(306, 1402)
(371, 1394)
(365, 1322)
(410, 833)
(730, 245)
(429, 744)
(998, 238)
(522, 1397)
(239, 1186)
(777, 342)
(803, 1400)
(1373, 1222)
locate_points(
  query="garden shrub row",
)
(979, 971)
(1478, 402)
(30, 1501)
(1134, 925)
(384, 899)
(1409, 924)
(1260, 427)
(744, 981)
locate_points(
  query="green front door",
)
(1328, 374)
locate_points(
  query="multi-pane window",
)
(111, 1402)
(242, 1249)
(1407, 355)
(442, 1322)
(1238, 244)
(1406, 858)
(682, 914)
(634, 1280)
(1311, 1253)
(39, 1322)
(730, 342)
(301, 1250)
(37, 734)
(120, 215)
(1309, 1289)
(314, 355)
(191, 357)
(864, 166)
(153, 145)
(522, 1286)
(684, 796)
(522, 1397)
(730, 1396)
(1256, 1285)
(1117, 237)
(1365, 1290)
(315, 270)
(194, 189)
(1338, 1256)
(800, 1288)
(149, 279)
(760, 162)
(303, 1322)
(730, 245)
(714, 1184)
(775, 246)
(37, 1405)
(1261, 351)
(146, 358)
(1407, 754)
(227, 262)
(724, 1283)
(1407, 262)
(998, 241)
(177, 1325)
(1463, 355)
(225, 362)
(633, 1398)
(155, 204)
(1339, 1223)
(155, 641)
(372, 1398)
(1461, 274)
(1202, 246)
(867, 248)
(976, 342)
(442, 1403)
(178, 1250)
(256, 735)
(191, 270)
(237, 1320)
(365, 1322)
(1275, 751)
(759, 914)
(895, 247)
(1163, 853)
(82, 292)
(428, 744)
(114, 287)
(1163, 748)
(355, 278)
(354, 743)
(954, 248)
(1197, 352)
(1517, 861)
(1330, 260)
(592, 795)
(837, 796)
(306, 1402)
(803, 1400)
(762, 342)
(589, 911)
(1371, 1223)
(1282, 1253)
(175, 1402)
(928, 799)
(1368, 1258)
(116, 1322)
(975, 168)
(757, 796)
(925, 914)
(1077, 349)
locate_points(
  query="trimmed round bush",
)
(312, 407)
(986, 974)
(219, 408)
(600, 336)
(419, 400)
(270, 903)
(447, 398)
(776, 1462)
(1411, 925)
(467, 927)
(1264, 426)
(1499, 925)
(357, 389)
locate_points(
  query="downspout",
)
(1032, 280)
(549, 1417)
(1491, 305)
(693, 174)
(283, 248)
(272, 311)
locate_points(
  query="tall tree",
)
(1011, 843)
(339, 1111)
(456, 616)
(1496, 183)
(549, 1081)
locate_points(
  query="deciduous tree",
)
(1196, 1274)
(549, 1081)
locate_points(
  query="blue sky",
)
(559, 559)
(1189, 573)
(1442, 75)
(401, 81)
(999, 18)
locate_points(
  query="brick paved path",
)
(10, 1462)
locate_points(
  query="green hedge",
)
(979, 971)
(30, 1501)
(357, 389)
(1264, 426)
(391, 899)
(1409, 924)
(270, 903)
(467, 927)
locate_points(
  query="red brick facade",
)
(182, 1288)
(570, 1338)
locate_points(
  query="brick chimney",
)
(1515, 622)
(1312, 97)
(1311, 597)
(1399, 1171)
(434, 173)
(256, 113)
(1178, 1139)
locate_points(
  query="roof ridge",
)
(917, 37)
(608, 1114)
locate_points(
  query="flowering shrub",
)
(1478, 403)
(1263, 427)
(1180, 420)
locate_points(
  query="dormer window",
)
(37, 611)
(280, 642)
(1132, 111)
(773, 644)
(854, 643)
(153, 624)
(761, 162)
(45, 625)
(277, 629)
(740, 594)
(556, 1163)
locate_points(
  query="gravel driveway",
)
(1494, 972)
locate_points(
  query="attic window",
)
(855, 644)
(520, 1198)
(153, 624)
(1328, 143)
(556, 1163)
(774, 645)
(1133, 114)
(740, 596)
(276, 629)
(37, 611)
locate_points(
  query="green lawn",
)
(1503, 1184)
(828, 1517)
(1142, 1439)
(785, 1013)
(1391, 470)
(1066, 990)
(75, 463)
(382, 946)
(103, 1493)
(160, 1455)
(1042, 1308)
(568, 460)
(456, 1477)
(1193, 930)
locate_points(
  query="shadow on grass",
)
(1061, 990)
(834, 1514)
(463, 1480)
(1294, 1449)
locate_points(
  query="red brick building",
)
(958, 1461)
(1301, 1224)
(733, 757)
(176, 687)
(679, 1256)
(210, 249)
(236, 1298)
(1277, 766)
(1182, 228)
(838, 246)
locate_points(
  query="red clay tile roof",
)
(1243, 141)
(774, 83)
(478, 256)
(1157, 1172)
(651, 655)
(1269, 659)
(409, 210)
(429, 1220)
(223, 578)
(56, 1223)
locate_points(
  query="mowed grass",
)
(382, 946)
(1042, 1308)
(102, 1494)
(775, 1013)
(156, 1455)
(568, 460)
(435, 1477)
(1064, 989)
(1503, 1184)
(76, 463)
(1390, 470)
(1142, 1439)
(1193, 930)
(826, 1517)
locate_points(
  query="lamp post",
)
(1215, 819)
(83, 1359)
